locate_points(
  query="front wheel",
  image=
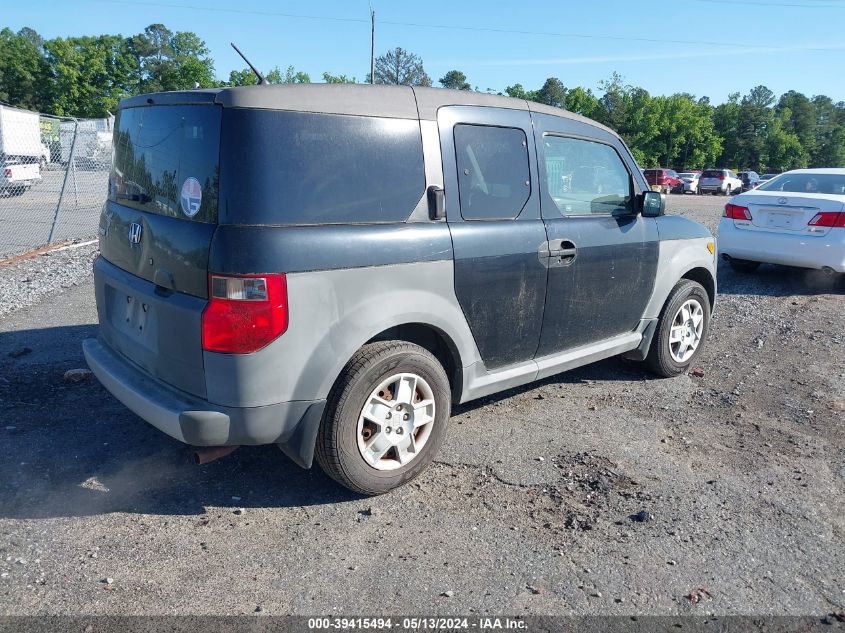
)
(385, 419)
(681, 329)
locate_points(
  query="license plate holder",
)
(778, 220)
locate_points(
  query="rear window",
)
(166, 160)
(712, 173)
(296, 168)
(806, 183)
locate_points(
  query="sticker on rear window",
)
(191, 197)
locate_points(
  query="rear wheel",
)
(681, 329)
(385, 419)
(743, 265)
(728, 190)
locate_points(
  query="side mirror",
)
(652, 204)
(436, 202)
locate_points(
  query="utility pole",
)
(372, 46)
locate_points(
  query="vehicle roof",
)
(403, 102)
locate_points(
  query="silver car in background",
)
(719, 181)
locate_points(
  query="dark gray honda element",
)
(328, 268)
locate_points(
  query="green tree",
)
(726, 124)
(88, 76)
(552, 93)
(582, 101)
(829, 150)
(338, 79)
(401, 67)
(22, 68)
(171, 61)
(518, 92)
(455, 80)
(783, 148)
(755, 115)
(798, 116)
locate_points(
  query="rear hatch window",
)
(166, 161)
(161, 211)
(712, 173)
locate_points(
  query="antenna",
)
(262, 80)
(372, 45)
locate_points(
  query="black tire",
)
(728, 190)
(337, 443)
(743, 265)
(659, 359)
(17, 190)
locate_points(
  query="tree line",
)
(87, 76)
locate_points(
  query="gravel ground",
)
(25, 282)
(600, 491)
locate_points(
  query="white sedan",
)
(690, 179)
(795, 219)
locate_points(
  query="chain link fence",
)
(53, 178)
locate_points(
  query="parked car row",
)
(713, 181)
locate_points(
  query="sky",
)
(704, 47)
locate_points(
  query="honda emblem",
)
(135, 230)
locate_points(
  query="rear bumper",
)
(799, 250)
(291, 425)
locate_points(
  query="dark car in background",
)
(664, 180)
(750, 180)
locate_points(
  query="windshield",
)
(166, 160)
(806, 183)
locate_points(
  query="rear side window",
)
(297, 168)
(493, 176)
(166, 160)
(585, 178)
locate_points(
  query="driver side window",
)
(585, 177)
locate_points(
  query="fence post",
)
(64, 182)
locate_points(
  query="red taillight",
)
(7, 172)
(736, 212)
(721, 176)
(244, 313)
(829, 219)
